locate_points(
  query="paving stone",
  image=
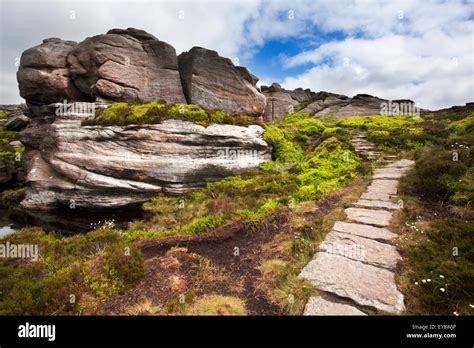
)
(384, 185)
(369, 216)
(376, 195)
(367, 231)
(404, 163)
(383, 204)
(365, 284)
(319, 306)
(387, 175)
(361, 249)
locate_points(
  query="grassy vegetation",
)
(10, 198)
(391, 133)
(307, 165)
(121, 114)
(437, 221)
(11, 155)
(313, 159)
(72, 274)
(292, 249)
(217, 305)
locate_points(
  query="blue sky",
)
(417, 49)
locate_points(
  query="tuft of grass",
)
(203, 224)
(217, 305)
(144, 307)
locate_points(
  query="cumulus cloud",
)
(418, 50)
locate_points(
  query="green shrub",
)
(332, 130)
(126, 261)
(329, 166)
(203, 224)
(191, 113)
(463, 126)
(436, 175)
(285, 149)
(96, 262)
(379, 134)
(265, 209)
(13, 197)
(303, 123)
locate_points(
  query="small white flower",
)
(442, 289)
(423, 280)
(455, 313)
(416, 283)
(428, 280)
(471, 305)
(441, 276)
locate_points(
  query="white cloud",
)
(429, 59)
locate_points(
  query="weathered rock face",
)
(279, 102)
(5, 172)
(110, 167)
(127, 65)
(44, 77)
(212, 81)
(16, 121)
(132, 65)
(341, 106)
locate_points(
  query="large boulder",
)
(341, 106)
(214, 82)
(17, 121)
(112, 167)
(281, 101)
(43, 76)
(126, 65)
(5, 172)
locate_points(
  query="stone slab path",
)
(354, 267)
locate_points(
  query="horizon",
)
(413, 49)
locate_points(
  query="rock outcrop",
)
(132, 65)
(214, 82)
(279, 102)
(127, 65)
(341, 106)
(111, 167)
(321, 104)
(44, 76)
(5, 172)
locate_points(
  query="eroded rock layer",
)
(109, 167)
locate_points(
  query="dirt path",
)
(355, 267)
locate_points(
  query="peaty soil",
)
(225, 261)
